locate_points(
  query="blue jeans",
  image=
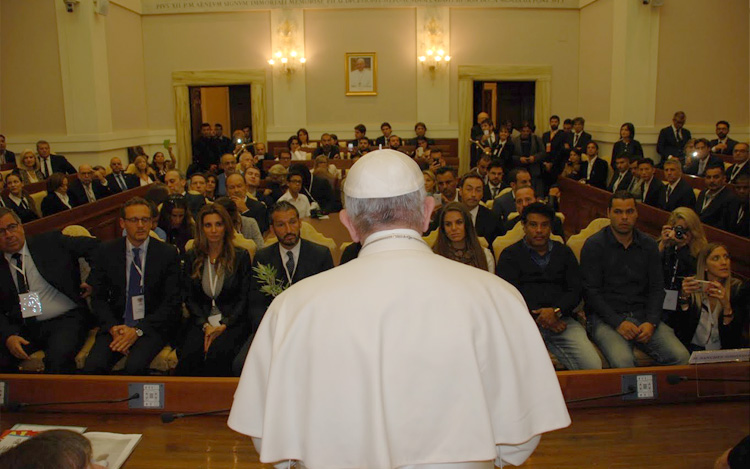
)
(572, 347)
(664, 347)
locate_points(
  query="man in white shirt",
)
(396, 375)
(293, 195)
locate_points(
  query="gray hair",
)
(371, 215)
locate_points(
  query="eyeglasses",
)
(135, 220)
(12, 228)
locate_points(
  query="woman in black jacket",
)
(217, 282)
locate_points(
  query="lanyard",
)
(139, 268)
(21, 271)
(213, 280)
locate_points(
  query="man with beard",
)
(326, 148)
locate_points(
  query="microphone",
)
(170, 417)
(631, 390)
(18, 406)
(675, 379)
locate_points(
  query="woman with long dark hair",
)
(627, 143)
(177, 222)
(457, 239)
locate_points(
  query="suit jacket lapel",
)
(303, 254)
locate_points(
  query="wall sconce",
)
(432, 40)
(434, 59)
(287, 62)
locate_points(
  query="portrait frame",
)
(354, 83)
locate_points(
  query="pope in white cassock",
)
(360, 79)
(400, 358)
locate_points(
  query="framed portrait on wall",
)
(361, 74)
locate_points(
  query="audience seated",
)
(304, 139)
(198, 185)
(217, 284)
(526, 196)
(594, 170)
(651, 188)
(136, 313)
(717, 205)
(89, 187)
(420, 131)
(573, 166)
(292, 260)
(624, 290)
(387, 130)
(360, 131)
(228, 164)
(41, 307)
(212, 181)
(247, 227)
(457, 238)
(276, 183)
(50, 163)
(677, 193)
(246, 205)
(19, 200)
(712, 314)
(293, 195)
(506, 203)
(627, 145)
(671, 141)
(546, 273)
(579, 138)
(723, 145)
(176, 182)
(742, 219)
(6, 156)
(682, 238)
(57, 199)
(28, 168)
(740, 155)
(294, 150)
(636, 184)
(702, 160)
(485, 224)
(252, 176)
(528, 153)
(177, 222)
(622, 177)
(118, 180)
(160, 165)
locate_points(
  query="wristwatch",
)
(138, 332)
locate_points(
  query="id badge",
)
(139, 307)
(670, 300)
(31, 305)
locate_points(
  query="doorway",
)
(505, 100)
(229, 106)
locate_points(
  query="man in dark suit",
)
(677, 193)
(702, 159)
(549, 136)
(118, 181)
(50, 163)
(495, 175)
(651, 188)
(579, 138)
(471, 189)
(529, 153)
(41, 307)
(293, 259)
(672, 139)
(506, 203)
(87, 188)
(742, 219)
(206, 151)
(223, 143)
(595, 169)
(246, 205)
(740, 166)
(723, 145)
(6, 156)
(717, 205)
(136, 283)
(622, 177)
(176, 182)
(327, 148)
(420, 129)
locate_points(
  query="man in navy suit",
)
(622, 178)
(136, 284)
(595, 169)
(41, 268)
(703, 159)
(118, 181)
(717, 205)
(672, 139)
(50, 163)
(677, 193)
(723, 145)
(651, 188)
(741, 165)
(579, 138)
(87, 188)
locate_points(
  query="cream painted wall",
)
(31, 99)
(595, 61)
(329, 34)
(496, 36)
(704, 61)
(215, 41)
(126, 69)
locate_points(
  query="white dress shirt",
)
(301, 202)
(285, 258)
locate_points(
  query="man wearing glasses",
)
(136, 294)
(41, 295)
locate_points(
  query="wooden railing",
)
(100, 217)
(449, 146)
(582, 203)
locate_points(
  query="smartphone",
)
(350, 146)
(704, 284)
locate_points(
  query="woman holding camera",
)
(713, 305)
(682, 238)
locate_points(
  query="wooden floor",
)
(667, 436)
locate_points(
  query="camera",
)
(679, 232)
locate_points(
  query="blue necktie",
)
(134, 287)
